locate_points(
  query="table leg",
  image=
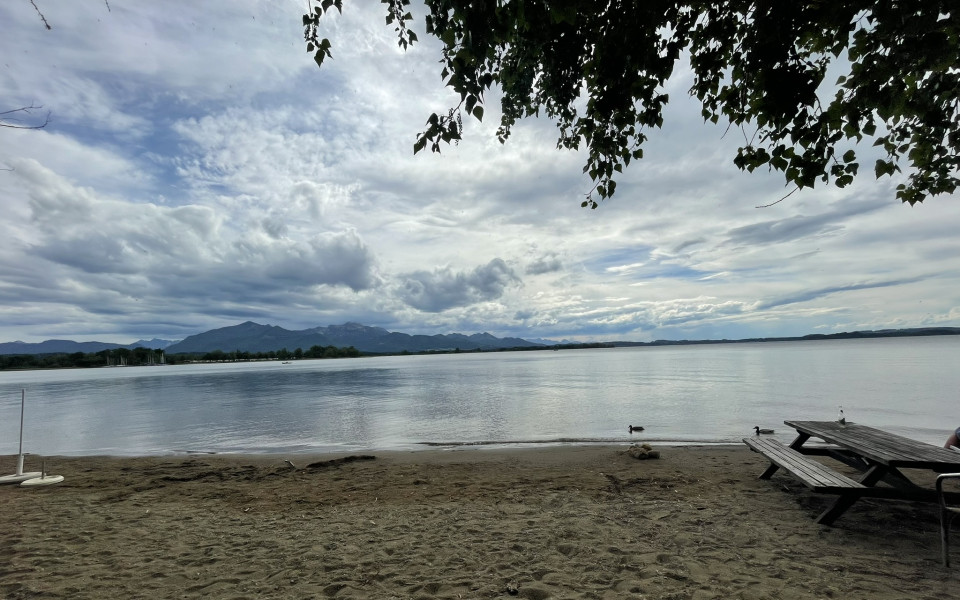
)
(770, 471)
(849, 459)
(874, 474)
(839, 506)
(843, 502)
(795, 444)
(898, 480)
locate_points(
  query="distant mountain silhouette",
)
(155, 344)
(69, 346)
(253, 337)
(844, 335)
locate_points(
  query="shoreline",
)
(584, 521)
(480, 445)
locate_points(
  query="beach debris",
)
(633, 428)
(336, 462)
(614, 481)
(643, 451)
(513, 589)
(762, 431)
(292, 466)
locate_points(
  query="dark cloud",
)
(807, 295)
(548, 263)
(445, 288)
(688, 244)
(99, 255)
(800, 226)
(328, 259)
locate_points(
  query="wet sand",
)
(537, 523)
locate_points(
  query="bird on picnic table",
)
(759, 431)
(633, 428)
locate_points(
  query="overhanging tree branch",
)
(7, 121)
(42, 18)
(599, 70)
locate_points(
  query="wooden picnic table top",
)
(880, 446)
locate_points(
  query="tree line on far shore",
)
(282, 354)
(145, 356)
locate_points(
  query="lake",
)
(685, 394)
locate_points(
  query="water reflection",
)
(715, 393)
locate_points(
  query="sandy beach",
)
(536, 523)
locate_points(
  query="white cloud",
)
(199, 170)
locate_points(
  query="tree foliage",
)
(140, 356)
(598, 70)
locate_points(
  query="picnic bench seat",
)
(877, 454)
(815, 475)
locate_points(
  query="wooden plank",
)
(881, 446)
(815, 475)
(885, 447)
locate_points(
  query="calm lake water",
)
(714, 393)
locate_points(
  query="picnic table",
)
(879, 456)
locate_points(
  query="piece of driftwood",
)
(643, 452)
(337, 462)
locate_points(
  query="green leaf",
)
(420, 144)
(598, 71)
(883, 167)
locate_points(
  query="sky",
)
(198, 171)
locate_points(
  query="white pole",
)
(20, 476)
(23, 396)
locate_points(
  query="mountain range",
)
(254, 337)
(69, 346)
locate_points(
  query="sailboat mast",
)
(23, 396)
(20, 476)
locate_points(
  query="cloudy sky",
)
(199, 170)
